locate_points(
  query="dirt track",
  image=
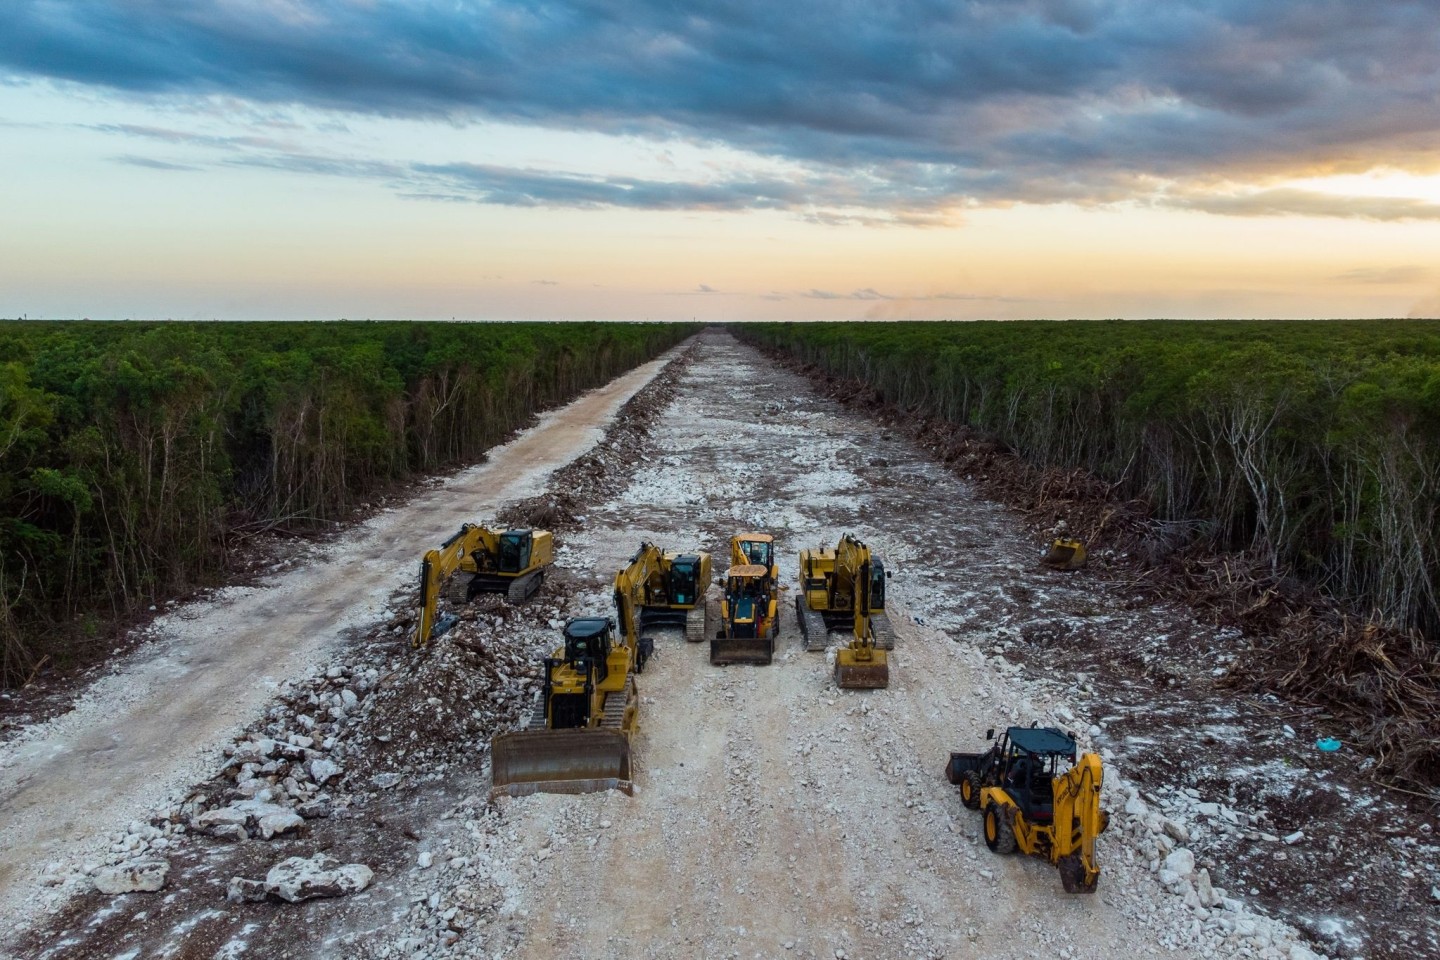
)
(774, 815)
(146, 730)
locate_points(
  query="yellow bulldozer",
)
(577, 738)
(667, 589)
(747, 609)
(1033, 803)
(480, 560)
(834, 583)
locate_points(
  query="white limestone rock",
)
(298, 879)
(137, 876)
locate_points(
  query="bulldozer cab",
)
(588, 639)
(685, 586)
(514, 550)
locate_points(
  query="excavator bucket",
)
(581, 760)
(855, 671)
(1065, 554)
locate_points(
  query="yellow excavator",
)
(577, 738)
(667, 589)
(480, 560)
(834, 584)
(747, 610)
(1033, 804)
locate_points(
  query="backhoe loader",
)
(1032, 804)
(833, 584)
(747, 610)
(667, 589)
(577, 738)
(480, 560)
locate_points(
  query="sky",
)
(734, 160)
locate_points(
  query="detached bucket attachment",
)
(1065, 554)
(753, 650)
(582, 760)
(855, 670)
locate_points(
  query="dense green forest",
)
(1314, 444)
(132, 455)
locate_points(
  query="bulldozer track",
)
(812, 626)
(884, 633)
(615, 704)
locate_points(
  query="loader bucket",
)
(854, 673)
(582, 760)
(1065, 555)
(754, 650)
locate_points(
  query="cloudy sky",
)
(728, 160)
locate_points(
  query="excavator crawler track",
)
(695, 624)
(812, 626)
(523, 588)
(884, 633)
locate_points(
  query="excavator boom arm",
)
(435, 568)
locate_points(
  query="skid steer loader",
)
(832, 586)
(667, 589)
(1032, 803)
(577, 738)
(480, 560)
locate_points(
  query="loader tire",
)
(999, 832)
(970, 790)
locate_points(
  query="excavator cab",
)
(685, 585)
(877, 583)
(514, 550)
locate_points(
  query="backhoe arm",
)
(1078, 820)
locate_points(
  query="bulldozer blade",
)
(874, 675)
(584, 760)
(753, 650)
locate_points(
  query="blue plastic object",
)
(1328, 744)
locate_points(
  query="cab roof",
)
(587, 627)
(761, 537)
(1042, 740)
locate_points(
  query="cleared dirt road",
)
(147, 729)
(777, 815)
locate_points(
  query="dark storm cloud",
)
(909, 105)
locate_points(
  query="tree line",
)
(1314, 444)
(134, 455)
